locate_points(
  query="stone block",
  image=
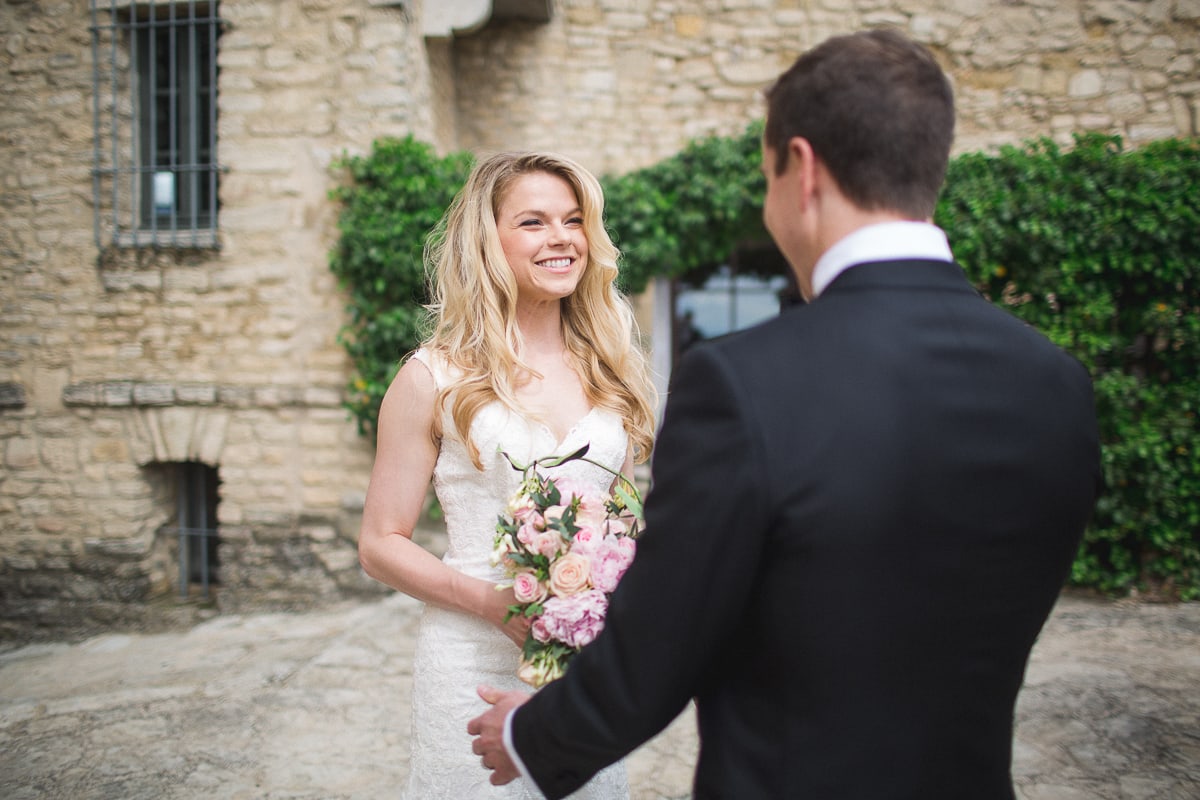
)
(153, 394)
(274, 396)
(201, 394)
(116, 394)
(123, 281)
(271, 523)
(105, 450)
(1187, 10)
(1150, 133)
(12, 395)
(342, 559)
(176, 425)
(235, 396)
(60, 456)
(689, 26)
(1086, 83)
(81, 394)
(208, 440)
(118, 548)
(320, 497)
(320, 533)
(20, 562)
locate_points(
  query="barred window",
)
(155, 123)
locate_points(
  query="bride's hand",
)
(517, 628)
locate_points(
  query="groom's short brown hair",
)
(877, 110)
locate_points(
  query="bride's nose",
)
(560, 234)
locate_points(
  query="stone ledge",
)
(12, 395)
(123, 394)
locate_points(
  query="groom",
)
(862, 511)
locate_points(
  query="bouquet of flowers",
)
(564, 546)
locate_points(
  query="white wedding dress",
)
(456, 653)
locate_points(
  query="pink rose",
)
(628, 549)
(586, 541)
(589, 501)
(527, 588)
(610, 560)
(539, 629)
(569, 574)
(576, 620)
(607, 570)
(548, 543)
(526, 534)
(571, 489)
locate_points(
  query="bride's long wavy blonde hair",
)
(475, 295)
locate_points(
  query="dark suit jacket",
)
(862, 512)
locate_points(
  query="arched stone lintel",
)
(179, 433)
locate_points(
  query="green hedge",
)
(1099, 247)
(394, 196)
(1095, 245)
(683, 215)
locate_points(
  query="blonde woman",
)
(532, 355)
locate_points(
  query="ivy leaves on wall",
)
(686, 214)
(394, 197)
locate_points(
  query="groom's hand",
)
(488, 730)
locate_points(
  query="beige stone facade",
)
(118, 364)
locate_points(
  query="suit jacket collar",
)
(886, 241)
(916, 273)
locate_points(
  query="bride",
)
(532, 352)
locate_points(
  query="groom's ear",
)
(802, 168)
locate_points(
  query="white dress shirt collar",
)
(885, 241)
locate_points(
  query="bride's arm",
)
(627, 467)
(405, 455)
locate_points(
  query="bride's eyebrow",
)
(533, 212)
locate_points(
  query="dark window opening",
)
(196, 526)
(155, 122)
(753, 286)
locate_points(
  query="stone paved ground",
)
(314, 706)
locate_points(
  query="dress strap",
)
(435, 364)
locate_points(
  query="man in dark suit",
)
(862, 511)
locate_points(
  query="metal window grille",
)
(154, 110)
(199, 560)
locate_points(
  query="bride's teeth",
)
(557, 262)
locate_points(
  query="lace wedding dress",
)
(455, 653)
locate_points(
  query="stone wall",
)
(116, 362)
(621, 84)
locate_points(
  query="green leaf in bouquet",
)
(566, 523)
(629, 497)
(514, 464)
(531, 647)
(556, 461)
(522, 559)
(548, 496)
(559, 650)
